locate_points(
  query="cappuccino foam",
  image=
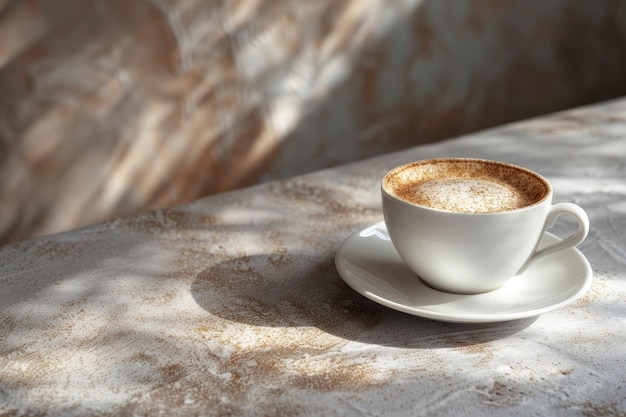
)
(466, 195)
(466, 185)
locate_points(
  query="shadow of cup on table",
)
(296, 290)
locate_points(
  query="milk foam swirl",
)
(466, 185)
(466, 195)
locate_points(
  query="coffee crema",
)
(466, 185)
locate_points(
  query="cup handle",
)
(575, 239)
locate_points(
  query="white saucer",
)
(368, 262)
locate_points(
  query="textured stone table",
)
(232, 305)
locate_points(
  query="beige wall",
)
(111, 107)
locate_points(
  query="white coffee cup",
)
(468, 225)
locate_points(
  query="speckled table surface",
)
(232, 305)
